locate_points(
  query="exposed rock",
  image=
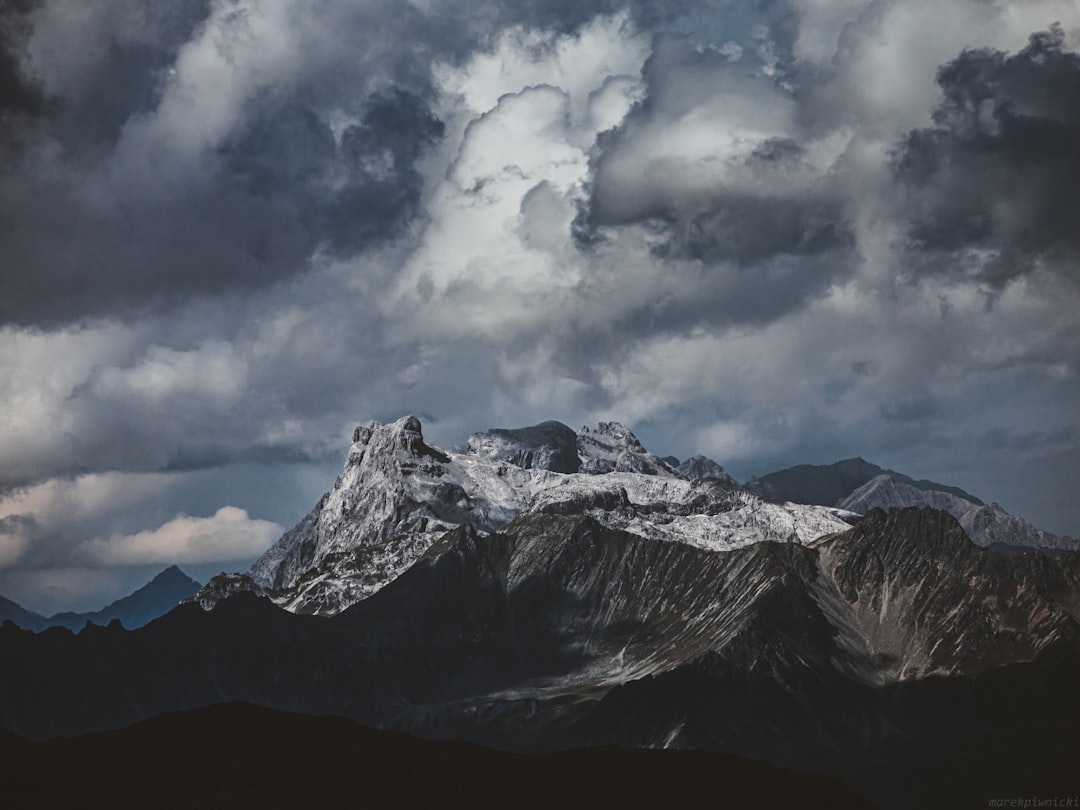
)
(224, 586)
(702, 467)
(986, 525)
(546, 446)
(398, 495)
(612, 447)
(927, 600)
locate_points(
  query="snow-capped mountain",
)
(611, 447)
(858, 486)
(986, 524)
(703, 467)
(398, 495)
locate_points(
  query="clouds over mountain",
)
(771, 232)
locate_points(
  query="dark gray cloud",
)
(1000, 168)
(280, 187)
(21, 99)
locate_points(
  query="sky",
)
(771, 232)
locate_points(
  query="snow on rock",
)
(223, 586)
(547, 446)
(985, 524)
(709, 514)
(395, 497)
(398, 495)
(703, 467)
(611, 447)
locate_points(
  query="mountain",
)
(986, 525)
(611, 447)
(14, 612)
(896, 654)
(397, 496)
(243, 756)
(157, 597)
(828, 484)
(858, 486)
(702, 467)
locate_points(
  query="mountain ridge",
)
(162, 593)
(397, 495)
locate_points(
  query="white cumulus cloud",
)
(228, 534)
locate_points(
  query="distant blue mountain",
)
(155, 598)
(828, 484)
(26, 619)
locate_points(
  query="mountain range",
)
(397, 495)
(160, 595)
(505, 597)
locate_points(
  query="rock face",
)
(395, 497)
(702, 467)
(398, 495)
(986, 525)
(927, 600)
(858, 486)
(547, 446)
(224, 586)
(611, 447)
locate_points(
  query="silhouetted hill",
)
(239, 756)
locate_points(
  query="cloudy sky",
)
(772, 232)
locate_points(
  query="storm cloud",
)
(771, 232)
(999, 172)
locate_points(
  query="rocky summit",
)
(397, 495)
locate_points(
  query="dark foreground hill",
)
(240, 756)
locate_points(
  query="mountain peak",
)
(402, 439)
(173, 572)
(703, 467)
(613, 447)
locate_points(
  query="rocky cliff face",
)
(398, 495)
(547, 446)
(702, 467)
(927, 600)
(395, 497)
(611, 447)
